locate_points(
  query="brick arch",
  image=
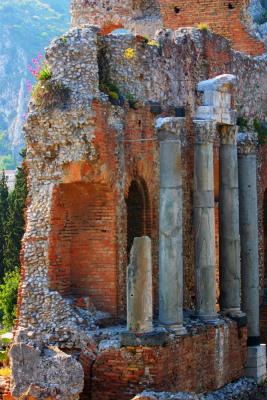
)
(110, 27)
(138, 211)
(82, 243)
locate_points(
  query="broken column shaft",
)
(230, 273)
(171, 223)
(204, 219)
(139, 287)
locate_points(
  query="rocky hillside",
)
(258, 10)
(26, 27)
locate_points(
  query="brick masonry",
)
(84, 158)
(193, 363)
(230, 19)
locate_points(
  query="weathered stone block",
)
(45, 372)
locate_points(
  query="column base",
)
(178, 329)
(237, 315)
(256, 363)
(157, 337)
(206, 317)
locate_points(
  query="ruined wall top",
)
(144, 17)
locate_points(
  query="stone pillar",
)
(247, 171)
(139, 287)
(171, 223)
(230, 270)
(204, 219)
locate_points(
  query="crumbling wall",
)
(230, 19)
(83, 154)
(206, 360)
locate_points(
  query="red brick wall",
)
(83, 243)
(217, 15)
(201, 362)
(100, 207)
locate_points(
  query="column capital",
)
(228, 134)
(247, 143)
(205, 130)
(170, 128)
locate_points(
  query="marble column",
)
(230, 269)
(171, 223)
(204, 219)
(247, 171)
(139, 287)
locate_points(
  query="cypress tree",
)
(3, 216)
(14, 226)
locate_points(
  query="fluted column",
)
(230, 270)
(171, 223)
(204, 219)
(247, 171)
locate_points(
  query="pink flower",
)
(35, 61)
(40, 56)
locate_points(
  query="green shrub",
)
(44, 74)
(8, 297)
(261, 128)
(133, 103)
(242, 122)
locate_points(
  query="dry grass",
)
(49, 94)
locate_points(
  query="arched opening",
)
(138, 213)
(82, 244)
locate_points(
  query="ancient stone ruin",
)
(143, 257)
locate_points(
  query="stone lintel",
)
(205, 131)
(247, 143)
(170, 128)
(221, 83)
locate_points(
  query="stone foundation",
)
(206, 358)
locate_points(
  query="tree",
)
(8, 297)
(14, 226)
(3, 216)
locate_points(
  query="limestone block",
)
(256, 363)
(45, 372)
(217, 114)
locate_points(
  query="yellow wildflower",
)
(129, 53)
(153, 43)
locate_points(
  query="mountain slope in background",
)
(26, 28)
